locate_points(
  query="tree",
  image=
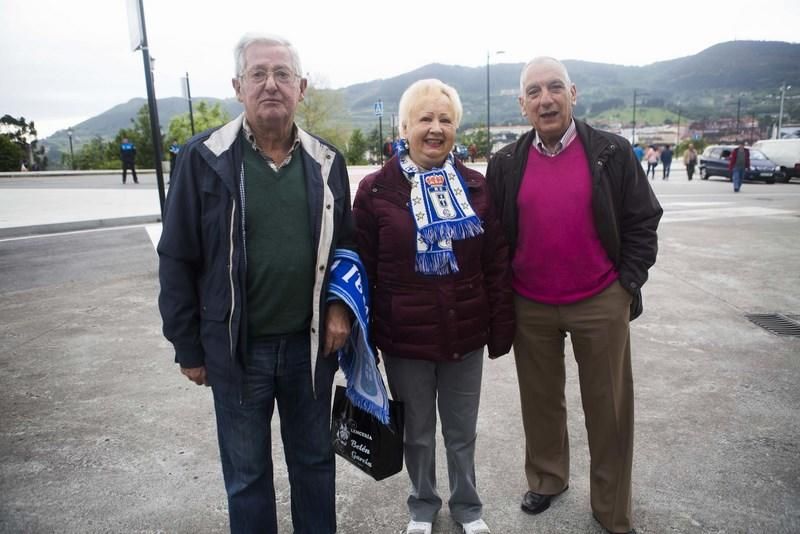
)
(374, 145)
(478, 138)
(322, 112)
(356, 148)
(98, 154)
(23, 134)
(10, 154)
(205, 117)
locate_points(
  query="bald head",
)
(547, 97)
(543, 60)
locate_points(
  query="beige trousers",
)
(600, 335)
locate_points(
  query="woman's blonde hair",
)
(419, 90)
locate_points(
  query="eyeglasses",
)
(281, 75)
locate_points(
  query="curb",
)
(56, 228)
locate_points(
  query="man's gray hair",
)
(537, 61)
(267, 39)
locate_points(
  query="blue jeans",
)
(736, 175)
(279, 369)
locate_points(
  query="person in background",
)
(127, 153)
(174, 148)
(666, 162)
(251, 224)
(388, 149)
(652, 156)
(738, 163)
(638, 151)
(437, 262)
(581, 220)
(690, 160)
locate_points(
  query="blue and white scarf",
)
(441, 210)
(365, 387)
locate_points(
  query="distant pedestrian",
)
(666, 161)
(174, 148)
(388, 149)
(652, 161)
(738, 163)
(127, 153)
(638, 151)
(690, 160)
(473, 151)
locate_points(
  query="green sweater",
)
(280, 255)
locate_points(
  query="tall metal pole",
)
(738, 112)
(488, 112)
(678, 133)
(151, 104)
(633, 130)
(780, 113)
(71, 153)
(380, 136)
(189, 98)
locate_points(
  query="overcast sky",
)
(63, 61)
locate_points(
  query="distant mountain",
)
(108, 123)
(751, 70)
(711, 83)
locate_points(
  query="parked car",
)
(461, 152)
(715, 158)
(785, 153)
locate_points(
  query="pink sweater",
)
(559, 257)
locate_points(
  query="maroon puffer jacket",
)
(432, 317)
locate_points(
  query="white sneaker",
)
(419, 527)
(476, 527)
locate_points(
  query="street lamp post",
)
(784, 87)
(636, 93)
(71, 153)
(489, 105)
(139, 42)
(187, 94)
(738, 115)
(678, 132)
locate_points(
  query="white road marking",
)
(154, 231)
(703, 214)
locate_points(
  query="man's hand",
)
(337, 327)
(196, 375)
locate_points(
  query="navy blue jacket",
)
(202, 264)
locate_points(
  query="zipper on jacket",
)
(230, 274)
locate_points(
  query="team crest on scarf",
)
(442, 213)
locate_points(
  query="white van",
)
(784, 152)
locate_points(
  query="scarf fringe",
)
(438, 263)
(438, 231)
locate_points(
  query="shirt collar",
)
(566, 139)
(251, 138)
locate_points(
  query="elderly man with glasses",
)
(251, 223)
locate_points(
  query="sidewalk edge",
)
(55, 228)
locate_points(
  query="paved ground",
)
(99, 432)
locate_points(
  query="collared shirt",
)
(252, 138)
(566, 139)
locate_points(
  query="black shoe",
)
(534, 503)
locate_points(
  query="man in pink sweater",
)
(581, 219)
